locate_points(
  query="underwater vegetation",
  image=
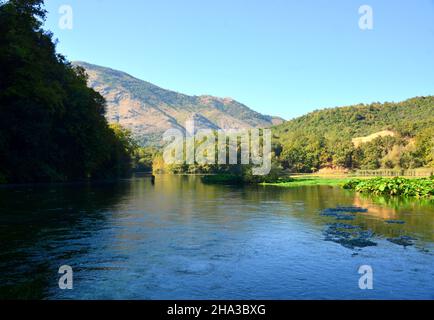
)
(354, 236)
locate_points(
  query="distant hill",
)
(379, 135)
(407, 118)
(148, 110)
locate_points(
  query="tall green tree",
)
(52, 126)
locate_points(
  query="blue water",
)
(180, 239)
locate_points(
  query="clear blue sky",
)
(279, 57)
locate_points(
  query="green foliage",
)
(374, 154)
(425, 147)
(407, 118)
(419, 188)
(143, 158)
(244, 175)
(273, 176)
(124, 136)
(323, 139)
(52, 126)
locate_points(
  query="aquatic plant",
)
(342, 213)
(404, 241)
(395, 221)
(332, 211)
(418, 188)
(349, 236)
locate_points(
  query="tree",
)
(52, 126)
(425, 147)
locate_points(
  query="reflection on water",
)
(180, 239)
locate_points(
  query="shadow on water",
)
(41, 226)
(179, 238)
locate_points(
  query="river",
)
(181, 239)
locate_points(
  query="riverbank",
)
(285, 181)
(384, 186)
(299, 181)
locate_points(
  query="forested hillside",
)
(52, 126)
(323, 139)
(407, 117)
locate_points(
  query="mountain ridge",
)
(406, 117)
(149, 110)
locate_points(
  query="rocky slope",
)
(148, 110)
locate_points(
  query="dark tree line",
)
(52, 126)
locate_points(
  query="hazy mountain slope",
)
(148, 110)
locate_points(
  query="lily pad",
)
(342, 210)
(402, 241)
(395, 221)
(349, 236)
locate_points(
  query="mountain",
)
(148, 110)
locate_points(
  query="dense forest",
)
(52, 126)
(324, 139)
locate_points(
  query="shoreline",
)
(300, 181)
(73, 183)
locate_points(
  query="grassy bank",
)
(309, 181)
(231, 179)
